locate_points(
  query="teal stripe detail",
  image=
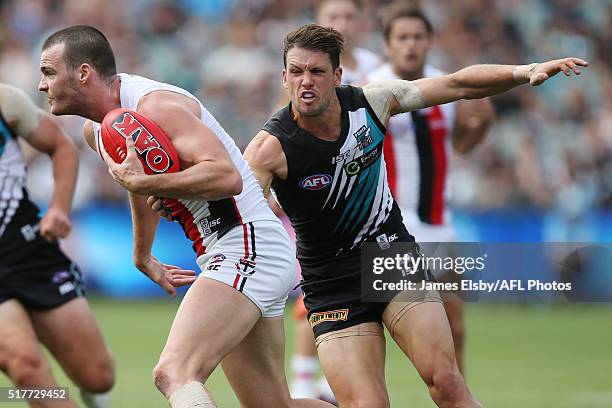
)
(358, 190)
(371, 193)
(5, 135)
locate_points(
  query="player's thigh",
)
(256, 367)
(420, 327)
(72, 335)
(353, 360)
(212, 319)
(21, 356)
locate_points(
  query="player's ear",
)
(84, 72)
(338, 76)
(285, 83)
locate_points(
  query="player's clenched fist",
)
(54, 225)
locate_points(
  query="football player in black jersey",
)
(41, 289)
(322, 154)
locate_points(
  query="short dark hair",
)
(395, 11)
(317, 38)
(85, 44)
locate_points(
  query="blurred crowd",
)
(550, 148)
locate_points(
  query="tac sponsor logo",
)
(316, 182)
(146, 145)
(330, 316)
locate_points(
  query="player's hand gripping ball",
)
(153, 147)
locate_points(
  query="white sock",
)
(304, 373)
(95, 400)
(191, 395)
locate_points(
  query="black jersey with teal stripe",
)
(336, 193)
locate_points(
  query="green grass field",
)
(517, 356)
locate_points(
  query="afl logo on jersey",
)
(316, 182)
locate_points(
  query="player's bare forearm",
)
(65, 169)
(473, 121)
(479, 81)
(144, 226)
(203, 181)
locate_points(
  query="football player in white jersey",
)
(419, 145)
(41, 289)
(233, 312)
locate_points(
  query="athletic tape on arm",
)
(380, 95)
(19, 110)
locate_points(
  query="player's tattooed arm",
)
(44, 134)
(390, 97)
(266, 159)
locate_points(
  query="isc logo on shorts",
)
(330, 316)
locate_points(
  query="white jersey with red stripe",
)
(418, 153)
(204, 222)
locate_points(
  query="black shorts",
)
(40, 276)
(333, 290)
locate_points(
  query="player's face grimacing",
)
(58, 82)
(342, 15)
(311, 80)
(407, 46)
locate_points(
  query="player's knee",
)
(26, 368)
(162, 378)
(447, 386)
(99, 379)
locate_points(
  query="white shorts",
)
(424, 232)
(257, 259)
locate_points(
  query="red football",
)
(153, 146)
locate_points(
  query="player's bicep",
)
(391, 97)
(20, 113)
(193, 140)
(438, 90)
(49, 136)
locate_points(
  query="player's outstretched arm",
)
(210, 173)
(44, 134)
(266, 159)
(477, 81)
(144, 226)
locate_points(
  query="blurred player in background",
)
(419, 145)
(233, 313)
(323, 156)
(41, 289)
(345, 16)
